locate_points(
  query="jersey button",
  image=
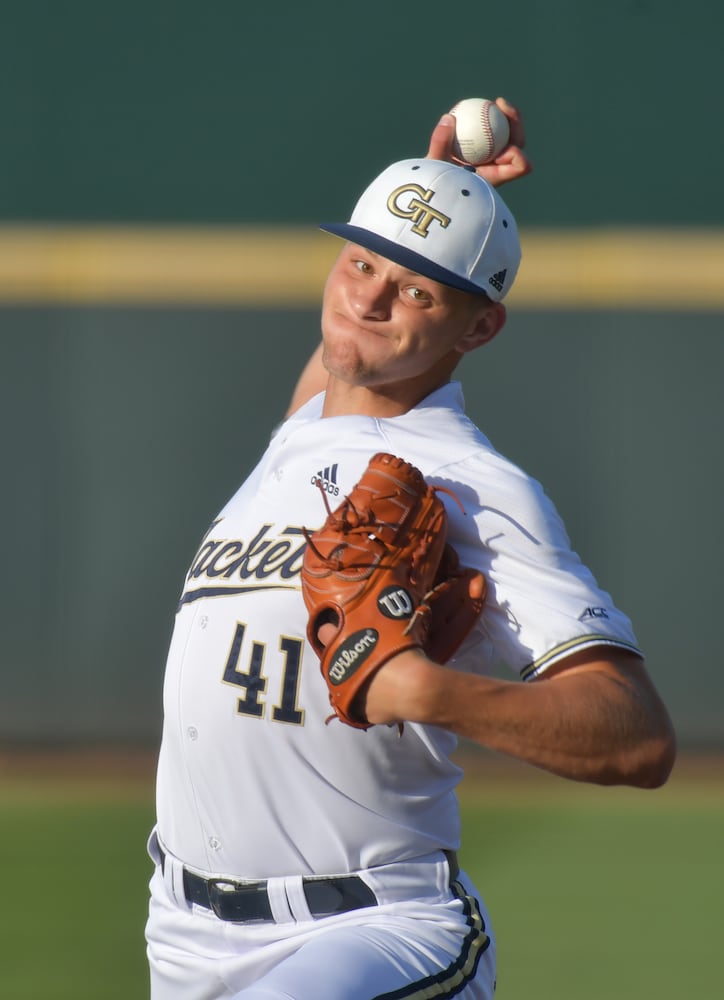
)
(214, 843)
(193, 733)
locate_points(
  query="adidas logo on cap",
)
(498, 280)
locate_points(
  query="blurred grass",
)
(596, 893)
(75, 877)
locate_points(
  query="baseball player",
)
(304, 853)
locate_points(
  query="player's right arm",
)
(312, 381)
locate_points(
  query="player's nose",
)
(372, 299)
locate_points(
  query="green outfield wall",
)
(127, 428)
(153, 110)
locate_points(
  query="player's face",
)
(388, 328)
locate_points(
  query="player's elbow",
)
(650, 762)
(662, 757)
(647, 732)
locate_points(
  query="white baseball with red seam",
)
(481, 131)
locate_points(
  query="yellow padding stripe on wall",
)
(241, 266)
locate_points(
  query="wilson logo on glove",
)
(395, 602)
(379, 579)
(352, 655)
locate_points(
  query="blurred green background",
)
(164, 168)
(238, 112)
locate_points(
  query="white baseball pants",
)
(435, 945)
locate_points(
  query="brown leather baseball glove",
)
(380, 574)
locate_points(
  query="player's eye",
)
(362, 266)
(419, 294)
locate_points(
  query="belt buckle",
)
(239, 902)
(219, 890)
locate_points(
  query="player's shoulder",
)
(452, 452)
(436, 431)
(486, 482)
(439, 437)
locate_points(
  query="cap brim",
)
(401, 255)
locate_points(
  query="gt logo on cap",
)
(418, 208)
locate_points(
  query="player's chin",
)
(354, 358)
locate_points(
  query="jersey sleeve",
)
(543, 603)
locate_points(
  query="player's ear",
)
(487, 323)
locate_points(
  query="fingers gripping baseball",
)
(375, 583)
(508, 160)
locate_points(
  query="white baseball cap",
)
(439, 220)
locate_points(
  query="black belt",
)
(245, 901)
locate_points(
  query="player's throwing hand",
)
(512, 162)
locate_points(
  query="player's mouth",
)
(352, 324)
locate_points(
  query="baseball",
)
(481, 131)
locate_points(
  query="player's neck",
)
(342, 399)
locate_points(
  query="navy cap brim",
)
(401, 255)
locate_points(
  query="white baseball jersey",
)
(252, 782)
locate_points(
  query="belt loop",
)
(173, 876)
(297, 899)
(278, 901)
